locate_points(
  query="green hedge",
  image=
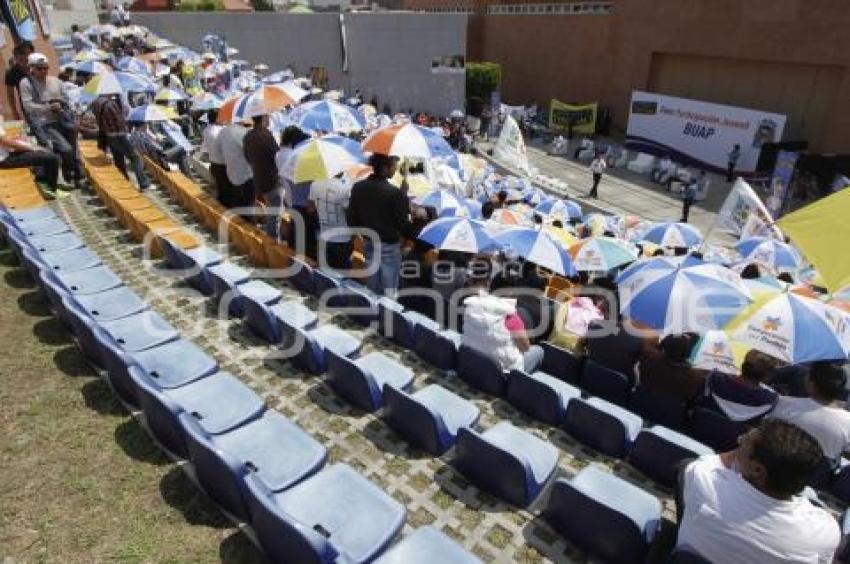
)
(200, 6)
(482, 78)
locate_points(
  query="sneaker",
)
(61, 194)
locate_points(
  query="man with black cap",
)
(379, 206)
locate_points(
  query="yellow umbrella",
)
(561, 235)
(418, 184)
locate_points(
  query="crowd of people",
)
(741, 506)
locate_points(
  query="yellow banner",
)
(582, 117)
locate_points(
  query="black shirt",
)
(376, 204)
(14, 76)
(260, 150)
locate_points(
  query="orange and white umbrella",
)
(263, 101)
(408, 140)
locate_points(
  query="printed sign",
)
(581, 117)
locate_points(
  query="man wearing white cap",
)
(46, 106)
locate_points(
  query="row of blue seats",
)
(505, 460)
(261, 468)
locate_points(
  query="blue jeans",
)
(385, 280)
(122, 151)
(63, 142)
(274, 206)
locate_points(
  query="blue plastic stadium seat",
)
(438, 348)
(361, 381)
(428, 419)
(55, 293)
(610, 385)
(140, 331)
(256, 291)
(658, 451)
(272, 448)
(428, 545)
(361, 303)
(44, 227)
(302, 276)
(224, 278)
(31, 260)
(715, 429)
(68, 261)
(506, 461)
(266, 320)
(219, 403)
(606, 427)
(328, 289)
(84, 329)
(88, 281)
(405, 325)
(665, 410)
(58, 242)
(193, 264)
(604, 515)
(113, 304)
(561, 363)
(540, 395)
(481, 371)
(335, 516)
(307, 348)
(20, 217)
(386, 306)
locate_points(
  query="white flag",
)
(744, 211)
(510, 147)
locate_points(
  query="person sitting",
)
(745, 397)
(19, 153)
(666, 370)
(492, 326)
(744, 506)
(822, 414)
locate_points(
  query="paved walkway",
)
(622, 191)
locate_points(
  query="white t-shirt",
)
(728, 520)
(280, 161)
(829, 425)
(598, 166)
(331, 198)
(231, 140)
(210, 145)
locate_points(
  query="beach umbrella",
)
(408, 140)
(602, 254)
(793, 328)
(507, 217)
(132, 82)
(206, 101)
(101, 85)
(440, 200)
(91, 67)
(776, 255)
(666, 264)
(538, 247)
(266, 100)
(673, 234)
(327, 116)
(561, 235)
(91, 55)
(170, 95)
(559, 209)
(150, 113)
(131, 64)
(458, 234)
(321, 159)
(681, 298)
(716, 351)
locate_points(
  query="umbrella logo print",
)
(772, 324)
(718, 348)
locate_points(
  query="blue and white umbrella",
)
(539, 247)
(665, 264)
(91, 67)
(673, 234)
(132, 64)
(440, 200)
(470, 208)
(458, 234)
(150, 113)
(327, 116)
(559, 209)
(132, 82)
(673, 297)
(771, 253)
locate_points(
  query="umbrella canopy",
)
(170, 95)
(538, 247)
(601, 254)
(597, 223)
(440, 200)
(91, 55)
(206, 101)
(715, 351)
(681, 298)
(458, 234)
(776, 255)
(507, 217)
(408, 140)
(132, 82)
(279, 76)
(327, 115)
(131, 64)
(794, 328)
(673, 234)
(559, 209)
(561, 235)
(91, 67)
(323, 158)
(150, 113)
(101, 85)
(265, 100)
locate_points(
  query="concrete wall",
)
(389, 54)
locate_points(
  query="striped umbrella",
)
(538, 247)
(91, 55)
(408, 140)
(776, 255)
(682, 298)
(598, 223)
(667, 264)
(92, 67)
(507, 217)
(458, 234)
(150, 113)
(673, 234)
(716, 351)
(263, 101)
(170, 95)
(559, 209)
(131, 64)
(561, 235)
(794, 328)
(598, 254)
(328, 116)
(440, 200)
(206, 101)
(322, 158)
(132, 82)
(101, 85)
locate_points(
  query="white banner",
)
(510, 147)
(700, 133)
(744, 214)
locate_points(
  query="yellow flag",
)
(821, 231)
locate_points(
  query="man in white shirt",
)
(239, 173)
(597, 167)
(211, 145)
(330, 198)
(822, 414)
(743, 506)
